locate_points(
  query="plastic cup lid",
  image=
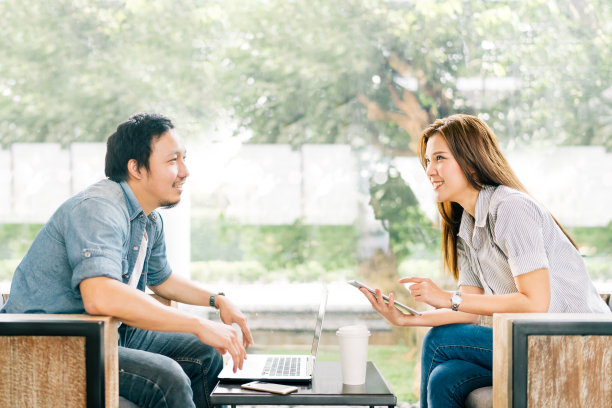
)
(353, 330)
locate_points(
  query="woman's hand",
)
(424, 290)
(387, 310)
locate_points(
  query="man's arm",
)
(182, 290)
(185, 291)
(107, 296)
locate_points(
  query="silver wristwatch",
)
(456, 300)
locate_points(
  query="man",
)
(101, 249)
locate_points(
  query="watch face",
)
(455, 301)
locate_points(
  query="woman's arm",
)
(533, 295)
(436, 317)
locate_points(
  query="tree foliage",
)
(374, 73)
(309, 71)
(358, 71)
(396, 206)
(370, 73)
(72, 70)
(287, 246)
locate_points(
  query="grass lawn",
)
(396, 363)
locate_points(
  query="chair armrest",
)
(552, 359)
(58, 360)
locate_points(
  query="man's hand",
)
(229, 314)
(224, 338)
(424, 290)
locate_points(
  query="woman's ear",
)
(134, 169)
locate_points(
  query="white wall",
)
(573, 182)
(38, 178)
(273, 184)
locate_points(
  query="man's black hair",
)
(132, 140)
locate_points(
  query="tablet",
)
(400, 306)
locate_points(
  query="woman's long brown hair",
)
(476, 151)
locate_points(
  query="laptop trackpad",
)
(251, 367)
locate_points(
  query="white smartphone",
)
(269, 387)
(397, 304)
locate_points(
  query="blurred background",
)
(301, 120)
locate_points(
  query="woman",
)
(508, 254)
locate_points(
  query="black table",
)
(326, 389)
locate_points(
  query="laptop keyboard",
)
(282, 366)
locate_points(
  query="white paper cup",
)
(353, 342)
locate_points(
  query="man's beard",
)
(169, 204)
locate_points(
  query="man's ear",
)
(133, 169)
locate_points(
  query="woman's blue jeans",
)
(456, 359)
(162, 370)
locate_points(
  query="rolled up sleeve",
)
(95, 234)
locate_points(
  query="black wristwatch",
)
(211, 301)
(456, 300)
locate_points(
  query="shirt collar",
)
(466, 229)
(482, 205)
(134, 207)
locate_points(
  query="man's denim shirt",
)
(95, 233)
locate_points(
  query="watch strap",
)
(211, 300)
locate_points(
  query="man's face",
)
(162, 185)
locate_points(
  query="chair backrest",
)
(536, 352)
(607, 297)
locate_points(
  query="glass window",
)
(301, 120)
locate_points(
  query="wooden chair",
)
(549, 360)
(59, 360)
(552, 360)
(52, 360)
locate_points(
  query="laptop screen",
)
(319, 325)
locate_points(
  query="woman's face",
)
(446, 177)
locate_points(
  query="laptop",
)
(280, 368)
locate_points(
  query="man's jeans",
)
(160, 370)
(456, 359)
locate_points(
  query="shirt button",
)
(154, 217)
(87, 254)
(126, 276)
(135, 248)
(141, 215)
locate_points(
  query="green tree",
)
(370, 73)
(71, 70)
(314, 72)
(306, 71)
(374, 73)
